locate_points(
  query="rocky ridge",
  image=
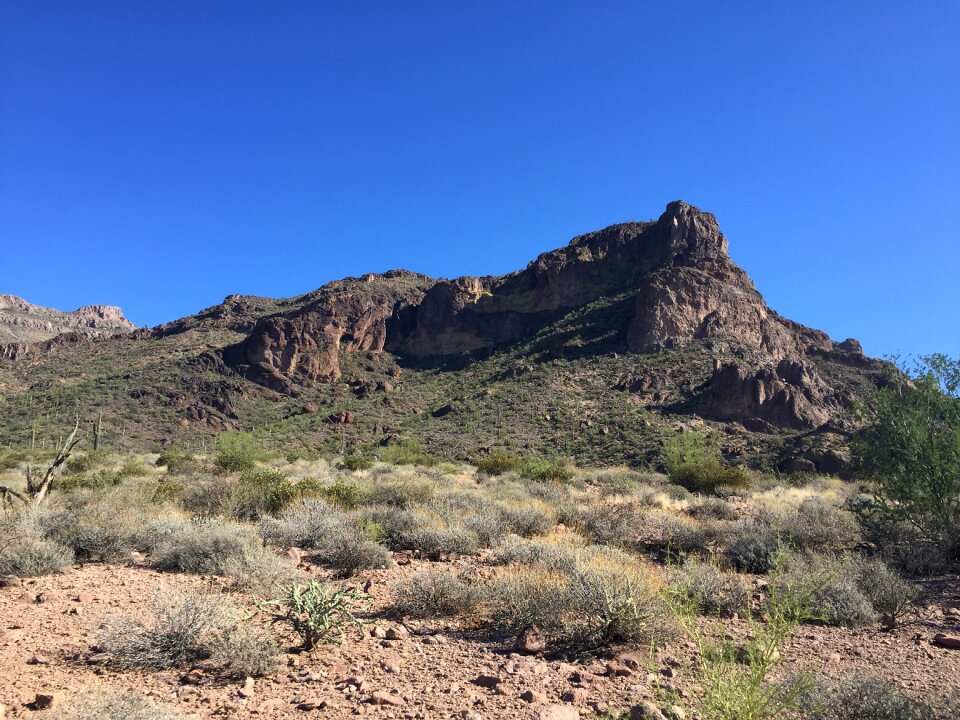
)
(23, 324)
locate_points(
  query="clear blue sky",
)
(160, 155)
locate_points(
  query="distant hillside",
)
(21, 322)
(596, 350)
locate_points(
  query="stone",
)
(379, 697)
(558, 712)
(533, 697)
(646, 710)
(486, 681)
(576, 696)
(618, 669)
(47, 700)
(675, 712)
(38, 660)
(312, 704)
(294, 555)
(396, 633)
(531, 640)
(951, 642)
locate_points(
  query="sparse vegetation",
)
(315, 611)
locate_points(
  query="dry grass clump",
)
(851, 590)
(857, 697)
(184, 629)
(97, 526)
(338, 542)
(713, 590)
(126, 705)
(25, 552)
(593, 598)
(712, 508)
(435, 592)
(619, 524)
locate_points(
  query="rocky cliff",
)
(681, 287)
(22, 322)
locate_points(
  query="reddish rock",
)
(531, 640)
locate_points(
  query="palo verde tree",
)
(909, 454)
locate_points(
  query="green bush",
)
(815, 525)
(709, 476)
(344, 494)
(177, 461)
(689, 447)
(237, 452)
(316, 611)
(909, 454)
(356, 462)
(408, 452)
(498, 462)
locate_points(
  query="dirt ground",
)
(432, 669)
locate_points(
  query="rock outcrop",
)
(676, 273)
(23, 323)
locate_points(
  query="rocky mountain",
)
(595, 350)
(22, 323)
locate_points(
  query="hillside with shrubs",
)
(243, 582)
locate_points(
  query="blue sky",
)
(161, 155)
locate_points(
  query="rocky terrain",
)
(23, 325)
(594, 350)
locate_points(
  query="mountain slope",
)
(596, 350)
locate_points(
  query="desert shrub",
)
(434, 542)
(309, 524)
(616, 524)
(689, 447)
(735, 677)
(676, 492)
(816, 525)
(82, 463)
(132, 467)
(166, 492)
(344, 494)
(126, 705)
(434, 593)
(408, 452)
(355, 462)
(237, 452)
(97, 529)
(267, 492)
(176, 636)
(602, 598)
(852, 591)
(917, 559)
(203, 549)
(710, 476)
(401, 494)
(861, 696)
(713, 590)
(154, 532)
(680, 535)
(244, 653)
(315, 611)
(555, 471)
(177, 461)
(498, 462)
(711, 508)
(100, 479)
(25, 552)
(886, 591)
(338, 543)
(909, 453)
(752, 545)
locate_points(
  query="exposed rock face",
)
(21, 322)
(305, 344)
(675, 272)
